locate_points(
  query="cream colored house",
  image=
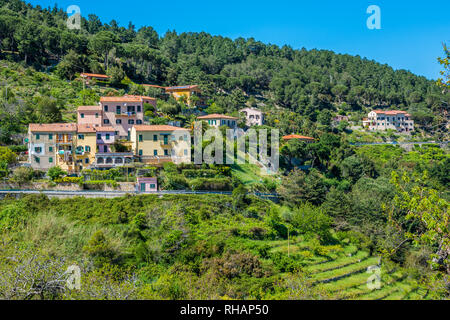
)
(217, 120)
(52, 144)
(156, 144)
(397, 120)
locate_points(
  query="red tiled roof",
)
(89, 108)
(86, 128)
(53, 127)
(157, 128)
(96, 75)
(121, 99)
(153, 86)
(139, 97)
(217, 116)
(194, 86)
(104, 129)
(297, 136)
(390, 112)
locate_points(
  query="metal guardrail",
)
(161, 192)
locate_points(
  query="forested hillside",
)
(313, 83)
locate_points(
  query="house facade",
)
(379, 120)
(178, 92)
(146, 184)
(217, 120)
(121, 113)
(254, 117)
(156, 144)
(86, 146)
(90, 115)
(52, 145)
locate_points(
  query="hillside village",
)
(96, 167)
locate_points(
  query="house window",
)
(99, 136)
(107, 136)
(106, 121)
(38, 149)
(138, 108)
(105, 108)
(140, 152)
(131, 121)
(118, 110)
(87, 148)
(155, 137)
(86, 160)
(185, 152)
(50, 160)
(96, 115)
(118, 121)
(155, 152)
(50, 149)
(141, 138)
(38, 136)
(81, 136)
(50, 136)
(152, 186)
(81, 115)
(37, 159)
(166, 152)
(105, 148)
(138, 121)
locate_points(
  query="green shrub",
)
(213, 184)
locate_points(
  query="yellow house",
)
(85, 146)
(156, 144)
(183, 91)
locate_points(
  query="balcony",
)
(126, 114)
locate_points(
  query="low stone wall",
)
(121, 186)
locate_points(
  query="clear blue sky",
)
(410, 38)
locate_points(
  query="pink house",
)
(145, 184)
(105, 139)
(122, 113)
(91, 115)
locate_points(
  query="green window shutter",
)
(50, 149)
(50, 160)
(38, 136)
(141, 138)
(140, 152)
(50, 136)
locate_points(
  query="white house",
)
(254, 117)
(392, 119)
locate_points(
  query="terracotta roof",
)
(194, 86)
(297, 136)
(96, 75)
(104, 129)
(86, 128)
(153, 86)
(157, 128)
(393, 112)
(139, 97)
(89, 108)
(53, 127)
(217, 116)
(120, 99)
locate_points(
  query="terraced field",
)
(345, 274)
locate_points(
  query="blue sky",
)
(410, 37)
